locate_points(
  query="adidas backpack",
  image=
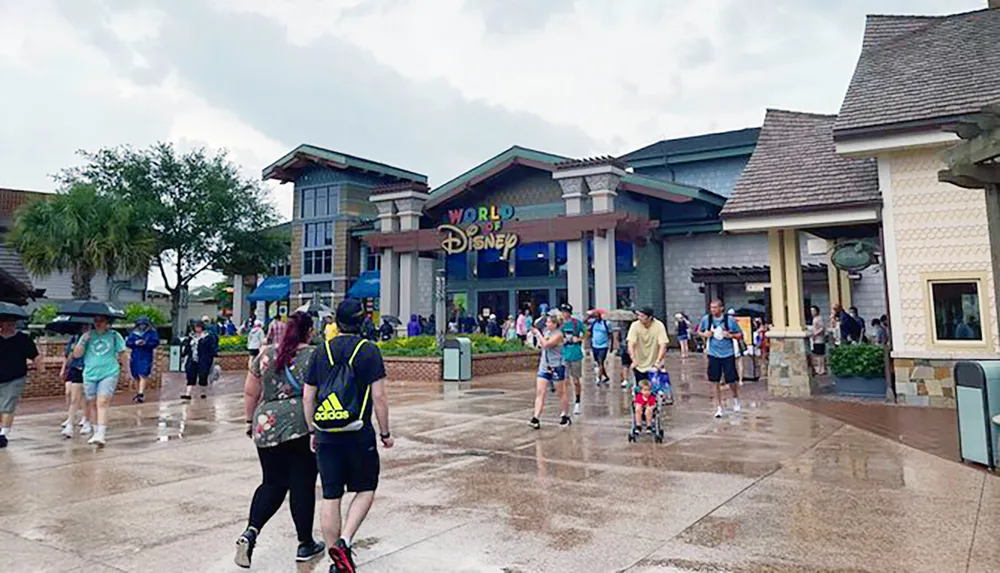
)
(341, 404)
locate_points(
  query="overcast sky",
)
(433, 86)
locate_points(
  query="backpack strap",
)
(350, 361)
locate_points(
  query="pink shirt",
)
(522, 325)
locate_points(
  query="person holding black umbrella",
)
(200, 349)
(142, 341)
(17, 349)
(100, 349)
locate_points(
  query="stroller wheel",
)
(631, 437)
(658, 438)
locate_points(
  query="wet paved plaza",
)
(470, 487)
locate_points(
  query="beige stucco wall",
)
(933, 230)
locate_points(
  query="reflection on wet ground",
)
(471, 487)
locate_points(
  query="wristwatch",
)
(385, 436)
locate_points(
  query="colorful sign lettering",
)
(477, 229)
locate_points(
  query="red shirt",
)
(645, 400)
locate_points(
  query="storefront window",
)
(457, 267)
(626, 297)
(317, 262)
(531, 260)
(624, 257)
(491, 266)
(956, 310)
(320, 202)
(562, 257)
(316, 286)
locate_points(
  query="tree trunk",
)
(82, 277)
(175, 312)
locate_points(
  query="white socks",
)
(100, 429)
(4, 431)
(346, 541)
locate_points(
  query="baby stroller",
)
(660, 385)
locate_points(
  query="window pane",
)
(457, 267)
(491, 266)
(624, 252)
(329, 234)
(532, 260)
(321, 195)
(334, 201)
(626, 297)
(307, 264)
(308, 203)
(956, 311)
(327, 261)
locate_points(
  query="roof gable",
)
(698, 144)
(288, 167)
(922, 70)
(796, 168)
(491, 168)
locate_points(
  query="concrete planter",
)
(861, 387)
(428, 369)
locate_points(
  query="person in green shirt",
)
(100, 349)
(574, 332)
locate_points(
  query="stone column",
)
(788, 371)
(239, 300)
(832, 280)
(389, 277)
(603, 190)
(260, 309)
(577, 273)
(409, 211)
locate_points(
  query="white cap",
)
(730, 312)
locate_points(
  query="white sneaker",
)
(86, 428)
(67, 431)
(97, 439)
(67, 422)
(625, 383)
(718, 412)
(83, 422)
(736, 405)
(576, 409)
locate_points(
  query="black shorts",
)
(347, 465)
(254, 352)
(626, 359)
(639, 376)
(75, 375)
(819, 348)
(600, 354)
(722, 367)
(196, 376)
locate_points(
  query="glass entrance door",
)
(532, 299)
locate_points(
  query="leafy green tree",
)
(135, 310)
(81, 231)
(197, 205)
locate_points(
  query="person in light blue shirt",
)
(720, 332)
(600, 344)
(100, 349)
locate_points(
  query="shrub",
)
(134, 310)
(44, 314)
(424, 346)
(236, 343)
(858, 361)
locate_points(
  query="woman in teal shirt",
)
(100, 349)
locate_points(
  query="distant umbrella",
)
(620, 315)
(69, 324)
(394, 321)
(90, 308)
(9, 311)
(315, 308)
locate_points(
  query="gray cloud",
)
(513, 17)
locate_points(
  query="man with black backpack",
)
(344, 386)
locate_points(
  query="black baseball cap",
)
(350, 312)
(566, 307)
(648, 311)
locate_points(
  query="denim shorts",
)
(10, 394)
(553, 374)
(104, 387)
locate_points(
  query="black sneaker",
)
(309, 550)
(3, 441)
(185, 397)
(343, 561)
(565, 421)
(139, 399)
(244, 548)
(203, 396)
(534, 423)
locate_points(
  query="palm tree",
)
(83, 232)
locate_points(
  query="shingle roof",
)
(923, 68)
(590, 162)
(796, 167)
(696, 144)
(10, 264)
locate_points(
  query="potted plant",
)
(858, 370)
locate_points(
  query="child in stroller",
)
(647, 398)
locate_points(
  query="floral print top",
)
(279, 417)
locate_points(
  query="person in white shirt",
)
(256, 338)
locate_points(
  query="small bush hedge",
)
(232, 343)
(134, 310)
(44, 314)
(858, 361)
(424, 346)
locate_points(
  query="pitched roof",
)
(796, 168)
(515, 155)
(695, 144)
(285, 168)
(13, 270)
(915, 69)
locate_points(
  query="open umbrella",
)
(315, 308)
(64, 324)
(394, 321)
(90, 308)
(620, 315)
(8, 311)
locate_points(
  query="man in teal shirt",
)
(100, 349)
(573, 333)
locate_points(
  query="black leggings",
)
(288, 467)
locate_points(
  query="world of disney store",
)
(527, 229)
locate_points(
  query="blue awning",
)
(272, 289)
(367, 286)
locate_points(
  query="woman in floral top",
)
(273, 403)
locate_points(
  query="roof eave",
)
(895, 128)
